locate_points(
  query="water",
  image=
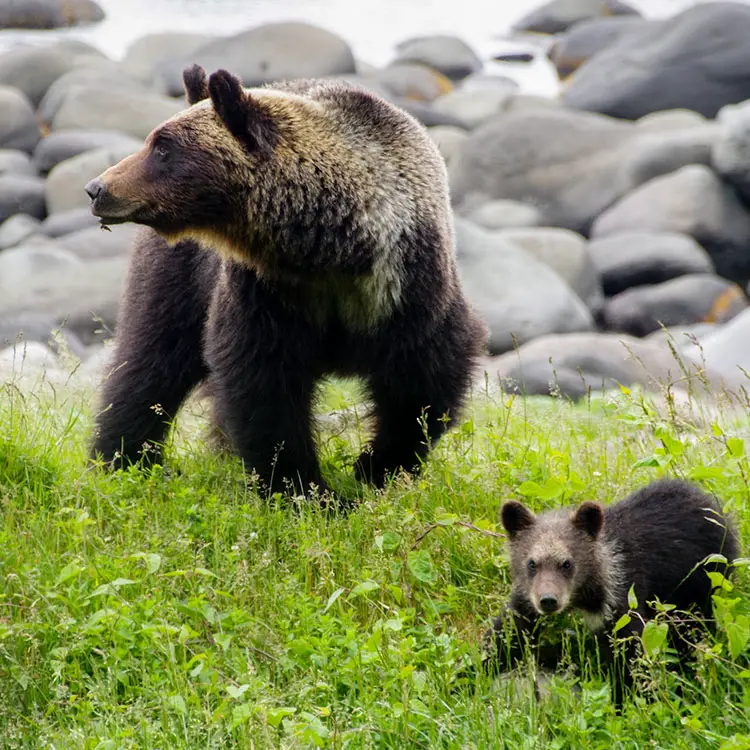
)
(372, 27)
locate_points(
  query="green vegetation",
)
(176, 610)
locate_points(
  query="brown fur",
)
(328, 213)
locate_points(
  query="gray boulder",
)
(13, 161)
(19, 265)
(693, 298)
(18, 125)
(566, 253)
(63, 223)
(726, 352)
(505, 214)
(83, 296)
(691, 201)
(585, 39)
(409, 81)
(66, 182)
(563, 162)
(17, 229)
(146, 53)
(48, 14)
(518, 297)
(730, 156)
(91, 243)
(447, 139)
(670, 120)
(635, 258)
(447, 54)
(475, 107)
(33, 69)
(136, 113)
(559, 15)
(65, 144)
(20, 194)
(271, 52)
(574, 363)
(698, 59)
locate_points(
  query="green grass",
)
(176, 610)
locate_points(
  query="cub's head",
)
(196, 171)
(553, 554)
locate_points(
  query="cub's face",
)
(548, 552)
(192, 173)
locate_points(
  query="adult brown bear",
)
(293, 231)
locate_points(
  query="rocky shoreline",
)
(585, 224)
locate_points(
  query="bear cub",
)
(290, 232)
(586, 559)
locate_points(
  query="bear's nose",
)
(548, 602)
(94, 188)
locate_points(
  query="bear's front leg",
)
(262, 359)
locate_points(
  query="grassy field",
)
(177, 610)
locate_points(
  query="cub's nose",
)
(94, 188)
(548, 603)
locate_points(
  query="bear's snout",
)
(94, 188)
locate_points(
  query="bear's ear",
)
(241, 113)
(516, 517)
(589, 518)
(196, 85)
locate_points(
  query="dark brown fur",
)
(293, 231)
(588, 558)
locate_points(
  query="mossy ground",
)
(175, 609)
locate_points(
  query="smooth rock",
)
(474, 107)
(92, 243)
(652, 154)
(684, 337)
(565, 252)
(693, 298)
(65, 144)
(730, 156)
(505, 214)
(698, 60)
(586, 38)
(411, 82)
(559, 15)
(448, 139)
(64, 223)
(518, 297)
(636, 258)
(691, 201)
(26, 362)
(271, 52)
(33, 327)
(66, 182)
(596, 361)
(97, 108)
(13, 161)
(563, 162)
(86, 296)
(20, 264)
(17, 229)
(147, 52)
(18, 126)
(48, 14)
(20, 194)
(726, 352)
(449, 55)
(670, 120)
(99, 74)
(33, 69)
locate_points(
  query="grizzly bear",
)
(292, 231)
(588, 559)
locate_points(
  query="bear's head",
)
(210, 172)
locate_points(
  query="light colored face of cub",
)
(550, 553)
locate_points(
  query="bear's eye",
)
(161, 152)
(567, 565)
(532, 565)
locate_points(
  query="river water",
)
(372, 27)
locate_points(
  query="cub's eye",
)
(567, 565)
(161, 152)
(532, 565)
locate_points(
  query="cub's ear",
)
(196, 85)
(589, 518)
(516, 517)
(243, 115)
